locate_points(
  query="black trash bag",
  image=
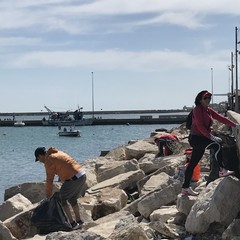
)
(49, 216)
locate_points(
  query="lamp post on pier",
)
(92, 97)
(212, 82)
(236, 70)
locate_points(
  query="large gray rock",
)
(114, 168)
(139, 149)
(219, 203)
(158, 198)
(106, 225)
(117, 154)
(34, 192)
(185, 203)
(121, 181)
(164, 213)
(149, 163)
(79, 235)
(158, 181)
(232, 231)
(5, 233)
(13, 206)
(128, 229)
(110, 200)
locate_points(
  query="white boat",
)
(65, 119)
(69, 133)
(19, 124)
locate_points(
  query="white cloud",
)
(77, 17)
(119, 60)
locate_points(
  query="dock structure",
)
(165, 119)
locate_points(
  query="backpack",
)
(189, 120)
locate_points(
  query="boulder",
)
(232, 231)
(114, 168)
(35, 192)
(129, 229)
(118, 154)
(106, 225)
(171, 231)
(158, 181)
(13, 206)
(139, 149)
(185, 203)
(5, 233)
(79, 235)
(109, 201)
(158, 198)
(163, 214)
(219, 203)
(20, 224)
(122, 181)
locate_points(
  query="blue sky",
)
(144, 54)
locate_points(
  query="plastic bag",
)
(49, 216)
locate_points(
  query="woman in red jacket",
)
(200, 138)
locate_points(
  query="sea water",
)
(17, 146)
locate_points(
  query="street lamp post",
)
(236, 69)
(92, 97)
(212, 82)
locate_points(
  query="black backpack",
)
(189, 120)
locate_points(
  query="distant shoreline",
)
(96, 112)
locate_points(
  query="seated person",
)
(164, 143)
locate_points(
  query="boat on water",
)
(69, 133)
(19, 124)
(66, 119)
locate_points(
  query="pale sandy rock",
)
(106, 225)
(117, 154)
(158, 198)
(77, 234)
(121, 181)
(163, 214)
(172, 231)
(158, 181)
(5, 233)
(212, 205)
(178, 219)
(149, 163)
(20, 224)
(232, 231)
(13, 206)
(129, 229)
(34, 192)
(114, 168)
(109, 201)
(167, 164)
(185, 203)
(88, 201)
(139, 149)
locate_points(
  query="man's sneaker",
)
(75, 225)
(224, 173)
(189, 192)
(80, 222)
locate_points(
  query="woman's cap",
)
(39, 151)
(207, 94)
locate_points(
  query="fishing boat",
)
(69, 133)
(66, 118)
(19, 124)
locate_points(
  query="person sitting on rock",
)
(200, 138)
(165, 144)
(71, 174)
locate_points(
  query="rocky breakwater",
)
(132, 195)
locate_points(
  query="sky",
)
(114, 54)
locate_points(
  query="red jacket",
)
(202, 120)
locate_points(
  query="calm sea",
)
(17, 147)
